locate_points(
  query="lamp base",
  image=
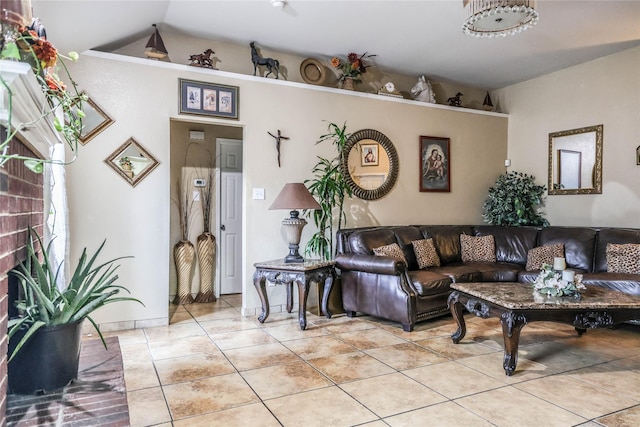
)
(293, 229)
(294, 255)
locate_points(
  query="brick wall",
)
(21, 206)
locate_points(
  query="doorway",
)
(194, 146)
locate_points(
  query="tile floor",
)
(213, 367)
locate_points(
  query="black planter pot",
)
(47, 362)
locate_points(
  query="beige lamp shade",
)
(294, 196)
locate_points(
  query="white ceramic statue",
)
(422, 91)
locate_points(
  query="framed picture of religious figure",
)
(369, 155)
(435, 164)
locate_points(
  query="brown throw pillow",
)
(478, 249)
(426, 254)
(623, 258)
(392, 250)
(543, 255)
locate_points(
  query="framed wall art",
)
(132, 162)
(369, 155)
(207, 99)
(95, 120)
(435, 164)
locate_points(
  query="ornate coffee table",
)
(516, 305)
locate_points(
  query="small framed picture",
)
(207, 99)
(435, 164)
(369, 155)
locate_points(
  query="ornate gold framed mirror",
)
(132, 162)
(575, 161)
(370, 164)
(95, 120)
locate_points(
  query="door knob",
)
(222, 227)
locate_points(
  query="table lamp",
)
(294, 196)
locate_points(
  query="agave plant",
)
(42, 303)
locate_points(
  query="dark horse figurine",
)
(273, 66)
(455, 101)
(202, 59)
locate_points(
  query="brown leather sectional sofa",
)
(384, 287)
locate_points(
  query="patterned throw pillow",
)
(543, 255)
(392, 250)
(426, 254)
(623, 258)
(478, 249)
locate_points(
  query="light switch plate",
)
(258, 194)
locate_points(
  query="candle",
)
(568, 275)
(559, 264)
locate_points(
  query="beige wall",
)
(142, 97)
(605, 91)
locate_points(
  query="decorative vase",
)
(48, 361)
(206, 255)
(184, 255)
(347, 83)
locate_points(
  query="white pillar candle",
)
(559, 264)
(568, 275)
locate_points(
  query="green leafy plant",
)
(514, 200)
(42, 303)
(330, 188)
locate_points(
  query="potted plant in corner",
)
(44, 340)
(514, 200)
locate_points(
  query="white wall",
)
(142, 97)
(605, 91)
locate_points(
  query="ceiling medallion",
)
(499, 18)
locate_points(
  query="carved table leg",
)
(303, 292)
(289, 297)
(456, 311)
(580, 331)
(511, 323)
(259, 283)
(328, 284)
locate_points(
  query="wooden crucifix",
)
(278, 139)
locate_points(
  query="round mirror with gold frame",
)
(370, 164)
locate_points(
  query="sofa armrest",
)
(371, 264)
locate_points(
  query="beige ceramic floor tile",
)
(135, 353)
(327, 406)
(405, 356)
(392, 394)
(260, 356)
(421, 334)
(346, 325)
(323, 346)
(254, 414)
(559, 357)
(234, 300)
(443, 414)
(446, 347)
(173, 332)
(127, 337)
(292, 331)
(346, 367)
(238, 339)
(283, 379)
(228, 325)
(182, 347)
(147, 407)
(507, 407)
(491, 365)
(140, 374)
(208, 395)
(218, 313)
(370, 338)
(180, 317)
(188, 368)
(627, 418)
(453, 380)
(609, 377)
(207, 307)
(584, 399)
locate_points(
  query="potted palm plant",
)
(44, 340)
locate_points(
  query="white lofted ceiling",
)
(409, 37)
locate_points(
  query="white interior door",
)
(229, 154)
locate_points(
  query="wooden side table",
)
(278, 272)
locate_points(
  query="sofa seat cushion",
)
(622, 282)
(496, 271)
(428, 282)
(459, 272)
(530, 276)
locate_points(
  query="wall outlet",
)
(199, 182)
(258, 194)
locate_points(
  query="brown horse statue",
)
(202, 59)
(273, 66)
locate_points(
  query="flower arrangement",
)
(125, 163)
(551, 283)
(353, 67)
(29, 44)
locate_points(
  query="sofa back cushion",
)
(612, 235)
(363, 242)
(579, 244)
(447, 240)
(404, 236)
(512, 243)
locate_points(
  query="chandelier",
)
(493, 18)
